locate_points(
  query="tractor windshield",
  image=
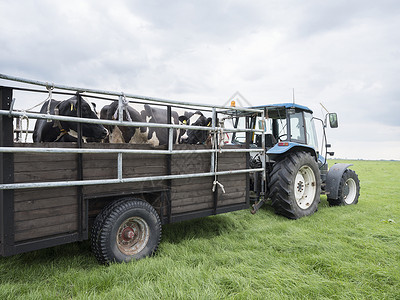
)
(297, 133)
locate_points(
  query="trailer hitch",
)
(256, 206)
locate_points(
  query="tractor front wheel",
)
(349, 189)
(295, 185)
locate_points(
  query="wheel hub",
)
(305, 187)
(300, 186)
(349, 191)
(133, 235)
(128, 234)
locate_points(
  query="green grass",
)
(350, 252)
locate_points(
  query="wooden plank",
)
(191, 194)
(46, 212)
(192, 200)
(45, 222)
(236, 200)
(46, 176)
(22, 167)
(45, 193)
(189, 188)
(223, 197)
(192, 207)
(121, 188)
(45, 231)
(44, 157)
(46, 203)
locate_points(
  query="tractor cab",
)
(285, 125)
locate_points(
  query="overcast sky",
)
(345, 54)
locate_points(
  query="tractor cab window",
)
(282, 129)
(310, 129)
(297, 131)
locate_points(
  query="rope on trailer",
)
(49, 97)
(125, 105)
(21, 118)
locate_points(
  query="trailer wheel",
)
(130, 229)
(349, 189)
(97, 227)
(295, 185)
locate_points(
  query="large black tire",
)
(349, 189)
(125, 230)
(98, 226)
(295, 185)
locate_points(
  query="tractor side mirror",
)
(333, 120)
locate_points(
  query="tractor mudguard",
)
(333, 177)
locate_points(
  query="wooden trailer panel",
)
(45, 211)
(52, 211)
(194, 194)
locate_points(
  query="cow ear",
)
(94, 107)
(183, 120)
(73, 103)
(209, 122)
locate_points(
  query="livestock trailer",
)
(118, 195)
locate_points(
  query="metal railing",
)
(214, 129)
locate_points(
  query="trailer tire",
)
(295, 185)
(130, 229)
(349, 189)
(98, 225)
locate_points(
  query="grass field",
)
(350, 252)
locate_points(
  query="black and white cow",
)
(193, 136)
(153, 135)
(65, 131)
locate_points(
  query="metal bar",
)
(207, 212)
(116, 151)
(6, 177)
(119, 166)
(214, 159)
(80, 215)
(169, 165)
(46, 242)
(120, 110)
(248, 137)
(171, 140)
(94, 91)
(124, 180)
(119, 123)
(264, 157)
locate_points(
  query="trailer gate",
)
(51, 192)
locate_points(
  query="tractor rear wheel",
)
(295, 185)
(349, 189)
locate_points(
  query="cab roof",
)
(284, 105)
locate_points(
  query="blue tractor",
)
(296, 171)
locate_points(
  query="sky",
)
(343, 54)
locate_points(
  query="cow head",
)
(193, 136)
(95, 132)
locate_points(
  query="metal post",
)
(81, 216)
(119, 166)
(248, 137)
(214, 159)
(263, 161)
(169, 166)
(6, 176)
(120, 109)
